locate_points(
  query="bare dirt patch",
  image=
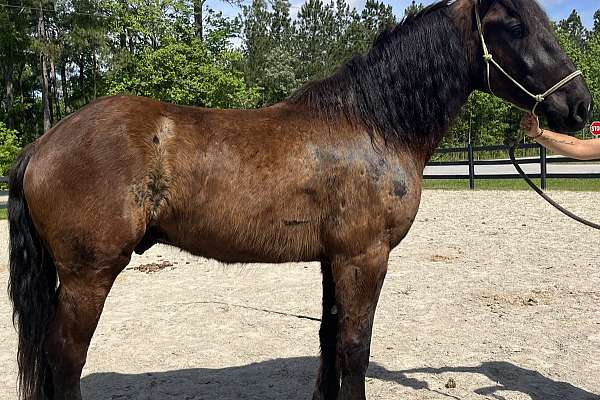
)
(475, 306)
(153, 267)
(439, 258)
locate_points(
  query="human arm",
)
(559, 143)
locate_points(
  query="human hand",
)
(531, 126)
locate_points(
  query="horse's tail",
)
(31, 287)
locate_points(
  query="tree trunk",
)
(123, 38)
(44, 74)
(64, 82)
(50, 89)
(57, 112)
(198, 19)
(94, 73)
(123, 33)
(82, 78)
(8, 80)
(20, 83)
(45, 93)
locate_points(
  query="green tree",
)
(270, 64)
(413, 8)
(186, 73)
(315, 37)
(585, 56)
(592, 68)
(15, 40)
(357, 31)
(574, 28)
(375, 17)
(257, 40)
(9, 148)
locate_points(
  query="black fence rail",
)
(542, 159)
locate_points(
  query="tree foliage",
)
(186, 73)
(9, 148)
(413, 8)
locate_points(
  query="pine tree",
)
(314, 30)
(413, 8)
(574, 27)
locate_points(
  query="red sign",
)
(595, 128)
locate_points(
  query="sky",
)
(557, 9)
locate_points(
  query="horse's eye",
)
(517, 31)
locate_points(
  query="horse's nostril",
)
(581, 112)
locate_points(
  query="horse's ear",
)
(484, 6)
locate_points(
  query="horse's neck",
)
(427, 83)
(407, 89)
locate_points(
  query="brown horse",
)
(333, 174)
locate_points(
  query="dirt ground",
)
(493, 290)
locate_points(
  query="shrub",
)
(10, 147)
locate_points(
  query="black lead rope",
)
(511, 153)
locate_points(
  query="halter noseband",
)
(487, 56)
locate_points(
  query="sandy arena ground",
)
(494, 290)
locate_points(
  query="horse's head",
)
(521, 41)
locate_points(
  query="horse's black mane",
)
(406, 88)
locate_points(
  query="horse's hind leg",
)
(358, 281)
(328, 380)
(80, 301)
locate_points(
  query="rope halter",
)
(489, 59)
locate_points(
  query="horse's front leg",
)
(328, 380)
(358, 280)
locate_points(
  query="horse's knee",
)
(354, 349)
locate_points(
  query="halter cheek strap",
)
(489, 59)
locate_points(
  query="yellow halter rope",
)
(487, 56)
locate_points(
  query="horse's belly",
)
(229, 232)
(271, 245)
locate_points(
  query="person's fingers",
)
(529, 122)
(530, 125)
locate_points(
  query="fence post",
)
(543, 167)
(471, 167)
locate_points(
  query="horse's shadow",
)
(293, 378)
(508, 377)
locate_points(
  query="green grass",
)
(577, 185)
(3, 213)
